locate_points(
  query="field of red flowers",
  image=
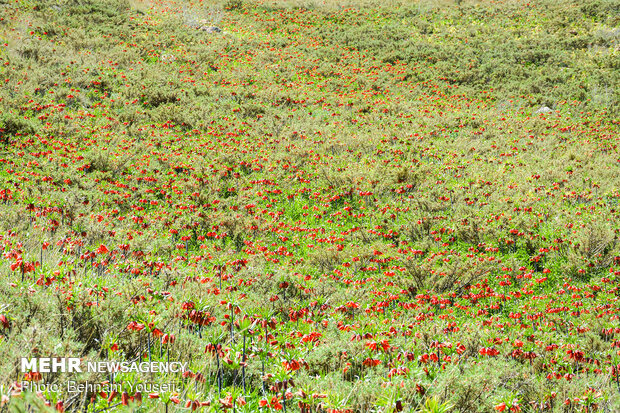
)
(319, 206)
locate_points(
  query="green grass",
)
(363, 190)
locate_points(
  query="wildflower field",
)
(315, 205)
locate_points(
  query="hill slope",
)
(370, 206)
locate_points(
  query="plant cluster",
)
(324, 207)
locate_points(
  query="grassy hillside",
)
(319, 206)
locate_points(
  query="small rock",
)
(210, 29)
(543, 109)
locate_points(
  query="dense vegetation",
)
(325, 206)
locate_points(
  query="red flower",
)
(4, 321)
(227, 402)
(113, 394)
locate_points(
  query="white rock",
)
(543, 109)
